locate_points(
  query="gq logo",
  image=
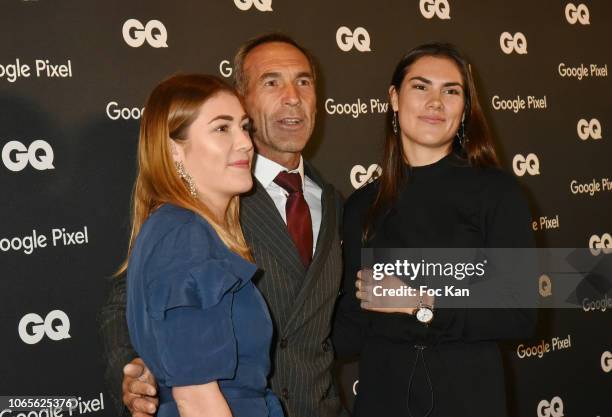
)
(261, 5)
(16, 156)
(154, 33)
(606, 361)
(225, 68)
(589, 129)
(513, 43)
(529, 164)
(431, 8)
(554, 408)
(574, 14)
(597, 244)
(361, 176)
(358, 39)
(32, 328)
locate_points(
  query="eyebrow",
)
(426, 81)
(303, 74)
(227, 117)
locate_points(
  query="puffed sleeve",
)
(189, 293)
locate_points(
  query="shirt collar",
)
(266, 170)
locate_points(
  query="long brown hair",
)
(169, 111)
(477, 148)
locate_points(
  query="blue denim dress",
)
(195, 316)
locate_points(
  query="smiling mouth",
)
(240, 164)
(432, 119)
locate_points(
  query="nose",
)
(243, 142)
(435, 101)
(291, 95)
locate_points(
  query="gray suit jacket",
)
(301, 304)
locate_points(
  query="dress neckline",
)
(439, 166)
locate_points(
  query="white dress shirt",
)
(266, 170)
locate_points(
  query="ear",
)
(393, 98)
(176, 150)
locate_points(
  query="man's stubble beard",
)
(280, 144)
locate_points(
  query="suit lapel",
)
(262, 222)
(263, 225)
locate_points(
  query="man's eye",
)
(453, 91)
(304, 82)
(270, 83)
(419, 87)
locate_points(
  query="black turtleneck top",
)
(443, 205)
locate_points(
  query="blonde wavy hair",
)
(169, 111)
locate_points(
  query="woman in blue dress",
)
(193, 313)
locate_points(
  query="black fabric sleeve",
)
(118, 350)
(349, 319)
(339, 209)
(507, 224)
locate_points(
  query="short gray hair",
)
(240, 79)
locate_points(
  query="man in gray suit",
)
(300, 265)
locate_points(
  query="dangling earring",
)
(180, 170)
(394, 123)
(461, 133)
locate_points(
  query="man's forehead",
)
(275, 57)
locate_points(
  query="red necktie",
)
(299, 223)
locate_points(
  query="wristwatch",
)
(424, 313)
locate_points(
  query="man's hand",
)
(139, 389)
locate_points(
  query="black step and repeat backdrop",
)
(73, 79)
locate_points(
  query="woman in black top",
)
(440, 187)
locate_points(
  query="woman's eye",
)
(246, 127)
(222, 128)
(453, 91)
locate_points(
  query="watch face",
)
(424, 315)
